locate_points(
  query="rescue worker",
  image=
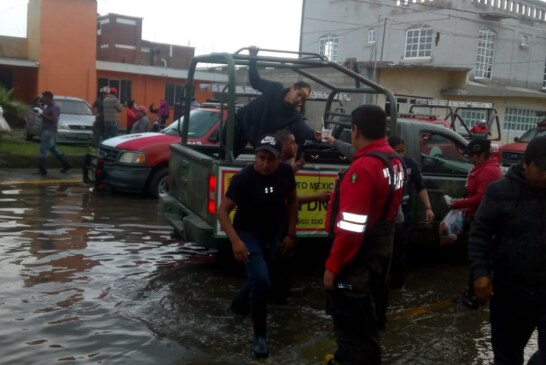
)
(265, 220)
(506, 251)
(486, 170)
(368, 197)
(275, 109)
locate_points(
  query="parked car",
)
(139, 163)
(75, 121)
(513, 152)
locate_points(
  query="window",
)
(123, 86)
(520, 119)
(328, 47)
(471, 117)
(443, 156)
(372, 36)
(173, 93)
(418, 42)
(485, 55)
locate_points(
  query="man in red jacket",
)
(356, 272)
(486, 170)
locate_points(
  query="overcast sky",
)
(207, 25)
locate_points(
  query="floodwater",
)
(95, 279)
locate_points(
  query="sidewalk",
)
(31, 176)
(14, 161)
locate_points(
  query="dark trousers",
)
(253, 295)
(514, 317)
(358, 304)
(356, 328)
(398, 267)
(239, 141)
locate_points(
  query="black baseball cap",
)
(536, 152)
(477, 147)
(270, 142)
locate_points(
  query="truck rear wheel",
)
(159, 183)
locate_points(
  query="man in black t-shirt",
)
(267, 210)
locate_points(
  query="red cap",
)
(113, 91)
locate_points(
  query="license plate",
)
(82, 136)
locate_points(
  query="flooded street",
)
(95, 279)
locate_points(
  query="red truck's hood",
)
(515, 147)
(139, 141)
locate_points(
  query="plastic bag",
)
(451, 227)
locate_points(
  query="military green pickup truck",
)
(199, 177)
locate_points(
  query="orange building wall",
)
(67, 33)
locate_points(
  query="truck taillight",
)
(211, 206)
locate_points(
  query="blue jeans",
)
(514, 317)
(110, 129)
(253, 295)
(48, 143)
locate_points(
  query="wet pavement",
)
(96, 279)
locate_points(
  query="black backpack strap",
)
(386, 158)
(335, 202)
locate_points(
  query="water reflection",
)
(96, 279)
(70, 261)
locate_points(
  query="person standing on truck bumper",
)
(266, 216)
(507, 256)
(357, 268)
(275, 109)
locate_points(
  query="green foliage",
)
(20, 147)
(13, 107)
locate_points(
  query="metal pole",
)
(301, 25)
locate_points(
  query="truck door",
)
(444, 169)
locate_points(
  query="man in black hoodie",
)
(277, 108)
(507, 253)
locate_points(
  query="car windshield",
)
(201, 122)
(532, 133)
(78, 107)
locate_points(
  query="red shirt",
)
(477, 182)
(131, 118)
(479, 130)
(362, 197)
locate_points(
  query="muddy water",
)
(96, 279)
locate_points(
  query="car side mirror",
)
(215, 137)
(516, 139)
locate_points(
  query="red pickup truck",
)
(513, 152)
(139, 163)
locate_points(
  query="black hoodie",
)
(508, 237)
(269, 113)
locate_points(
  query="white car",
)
(75, 121)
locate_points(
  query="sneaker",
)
(469, 301)
(66, 169)
(259, 347)
(235, 313)
(328, 359)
